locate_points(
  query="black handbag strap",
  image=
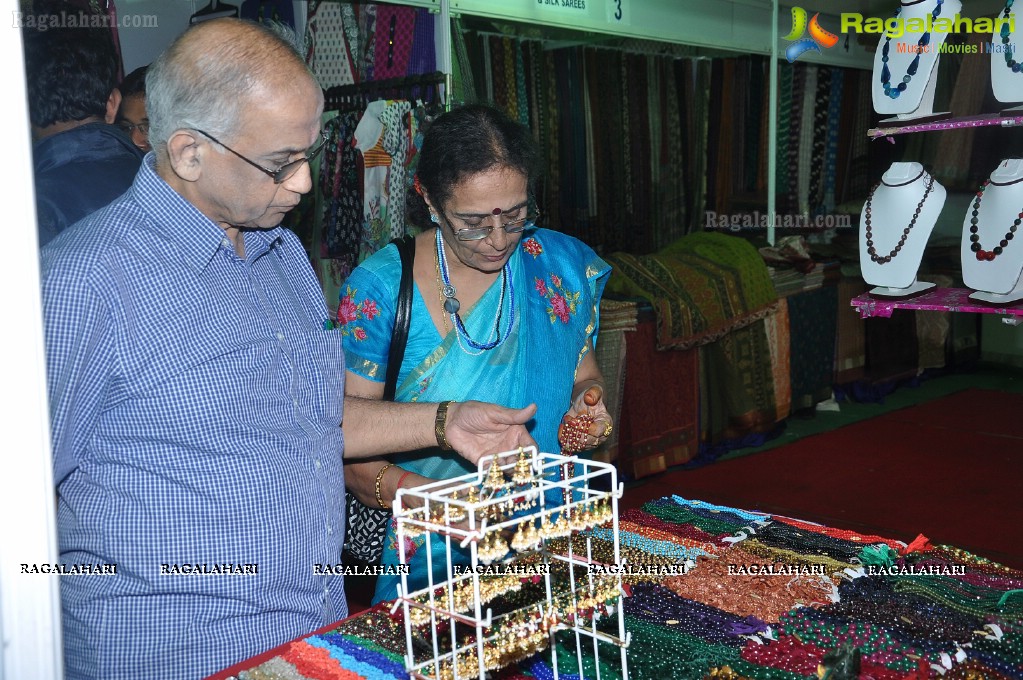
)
(403, 314)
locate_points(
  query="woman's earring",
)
(434, 218)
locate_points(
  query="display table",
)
(763, 597)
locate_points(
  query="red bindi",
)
(496, 211)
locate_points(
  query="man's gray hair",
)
(206, 77)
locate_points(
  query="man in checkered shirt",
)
(195, 388)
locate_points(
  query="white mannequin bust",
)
(896, 223)
(990, 268)
(916, 98)
(1006, 83)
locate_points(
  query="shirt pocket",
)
(320, 374)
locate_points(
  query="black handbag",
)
(366, 526)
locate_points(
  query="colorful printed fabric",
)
(332, 43)
(382, 137)
(557, 283)
(395, 26)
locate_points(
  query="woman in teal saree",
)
(502, 311)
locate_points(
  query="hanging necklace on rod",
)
(921, 44)
(989, 255)
(1006, 34)
(871, 250)
(452, 305)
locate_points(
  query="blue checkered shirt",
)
(195, 400)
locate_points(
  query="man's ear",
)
(113, 104)
(185, 154)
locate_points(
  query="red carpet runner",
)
(951, 469)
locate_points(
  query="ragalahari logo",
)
(818, 36)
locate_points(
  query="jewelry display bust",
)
(905, 67)
(1007, 58)
(992, 248)
(895, 224)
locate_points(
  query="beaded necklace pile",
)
(921, 44)
(868, 211)
(451, 305)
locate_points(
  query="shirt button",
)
(294, 403)
(317, 462)
(280, 336)
(226, 242)
(330, 530)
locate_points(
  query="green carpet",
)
(991, 377)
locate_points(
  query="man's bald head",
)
(212, 71)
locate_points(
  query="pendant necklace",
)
(989, 255)
(451, 305)
(886, 74)
(1006, 33)
(871, 250)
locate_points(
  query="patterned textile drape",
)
(823, 153)
(624, 134)
(640, 145)
(374, 135)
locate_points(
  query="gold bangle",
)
(380, 478)
(440, 425)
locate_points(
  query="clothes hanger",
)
(214, 10)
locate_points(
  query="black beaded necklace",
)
(871, 250)
(989, 255)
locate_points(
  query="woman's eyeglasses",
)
(478, 232)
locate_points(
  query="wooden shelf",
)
(935, 300)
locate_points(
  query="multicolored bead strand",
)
(840, 533)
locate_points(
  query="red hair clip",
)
(416, 185)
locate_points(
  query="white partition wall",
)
(30, 614)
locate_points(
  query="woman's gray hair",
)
(205, 78)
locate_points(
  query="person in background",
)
(131, 115)
(196, 385)
(505, 311)
(81, 162)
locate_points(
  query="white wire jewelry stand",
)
(457, 633)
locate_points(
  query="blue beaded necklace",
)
(1004, 32)
(451, 305)
(886, 75)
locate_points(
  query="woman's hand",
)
(587, 424)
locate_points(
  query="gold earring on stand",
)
(523, 470)
(455, 512)
(495, 478)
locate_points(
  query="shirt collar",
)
(184, 227)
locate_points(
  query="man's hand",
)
(476, 429)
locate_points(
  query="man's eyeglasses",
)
(475, 231)
(286, 171)
(130, 128)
